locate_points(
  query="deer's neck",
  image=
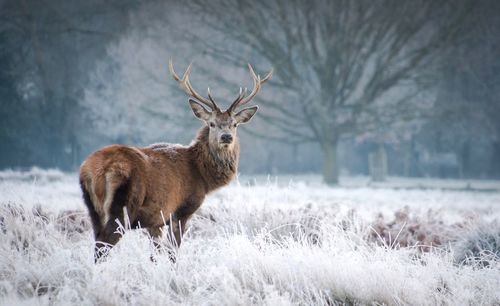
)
(217, 166)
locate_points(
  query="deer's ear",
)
(198, 110)
(245, 114)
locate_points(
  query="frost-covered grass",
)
(268, 243)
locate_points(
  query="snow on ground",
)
(274, 241)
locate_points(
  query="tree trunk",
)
(330, 163)
(464, 169)
(495, 161)
(378, 164)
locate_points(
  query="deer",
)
(164, 184)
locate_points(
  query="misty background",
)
(403, 88)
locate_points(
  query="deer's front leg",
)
(174, 230)
(156, 232)
(178, 230)
(182, 215)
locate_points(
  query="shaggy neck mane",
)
(217, 166)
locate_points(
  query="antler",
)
(257, 83)
(188, 88)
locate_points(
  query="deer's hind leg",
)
(94, 217)
(155, 232)
(122, 197)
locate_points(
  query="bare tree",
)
(342, 67)
(46, 49)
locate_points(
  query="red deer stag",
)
(165, 180)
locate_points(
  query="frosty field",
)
(261, 241)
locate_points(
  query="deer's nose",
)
(226, 138)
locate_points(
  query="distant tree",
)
(466, 115)
(132, 98)
(342, 68)
(50, 46)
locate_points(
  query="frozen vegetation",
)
(265, 242)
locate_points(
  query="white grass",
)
(268, 244)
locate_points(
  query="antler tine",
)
(268, 76)
(210, 103)
(255, 76)
(257, 84)
(210, 97)
(185, 77)
(241, 95)
(188, 88)
(172, 72)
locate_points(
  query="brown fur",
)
(160, 179)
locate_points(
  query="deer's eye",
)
(212, 124)
(235, 124)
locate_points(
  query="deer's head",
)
(222, 124)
